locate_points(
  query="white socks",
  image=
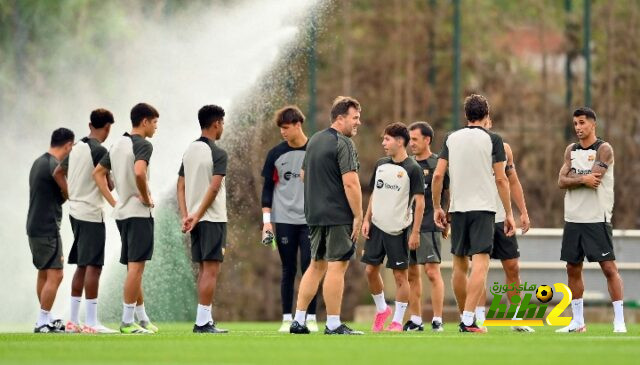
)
(398, 315)
(141, 313)
(436, 319)
(287, 317)
(480, 315)
(75, 309)
(416, 320)
(618, 312)
(515, 315)
(301, 317)
(311, 317)
(576, 308)
(43, 318)
(333, 322)
(467, 318)
(203, 315)
(127, 312)
(92, 312)
(381, 305)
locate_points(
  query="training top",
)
(330, 154)
(120, 159)
(471, 153)
(85, 200)
(45, 199)
(428, 168)
(200, 162)
(584, 204)
(283, 189)
(394, 186)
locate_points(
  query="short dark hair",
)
(142, 111)
(476, 107)
(61, 136)
(209, 114)
(586, 111)
(288, 115)
(424, 128)
(100, 118)
(398, 130)
(341, 106)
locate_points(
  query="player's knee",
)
(574, 269)
(610, 272)
(55, 276)
(400, 277)
(433, 273)
(512, 270)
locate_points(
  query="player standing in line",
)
(128, 160)
(333, 209)
(75, 177)
(396, 183)
(283, 208)
(506, 248)
(428, 255)
(202, 200)
(587, 177)
(43, 227)
(476, 159)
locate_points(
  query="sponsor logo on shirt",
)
(288, 175)
(382, 185)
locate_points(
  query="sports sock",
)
(576, 308)
(75, 309)
(416, 320)
(467, 318)
(311, 317)
(333, 322)
(480, 316)
(202, 315)
(381, 305)
(43, 318)
(141, 313)
(300, 317)
(437, 319)
(287, 317)
(515, 316)
(618, 311)
(127, 312)
(92, 312)
(210, 308)
(398, 315)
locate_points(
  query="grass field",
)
(259, 343)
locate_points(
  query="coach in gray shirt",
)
(333, 209)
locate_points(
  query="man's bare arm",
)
(604, 159)
(351, 183)
(60, 177)
(568, 178)
(100, 176)
(182, 200)
(140, 169)
(517, 193)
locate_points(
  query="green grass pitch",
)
(259, 343)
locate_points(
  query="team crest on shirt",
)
(592, 158)
(426, 172)
(400, 174)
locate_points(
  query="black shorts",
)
(137, 239)
(593, 240)
(46, 252)
(429, 250)
(88, 243)
(208, 241)
(381, 244)
(504, 247)
(331, 243)
(472, 232)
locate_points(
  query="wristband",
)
(266, 217)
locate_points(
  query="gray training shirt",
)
(329, 156)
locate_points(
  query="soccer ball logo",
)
(544, 293)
